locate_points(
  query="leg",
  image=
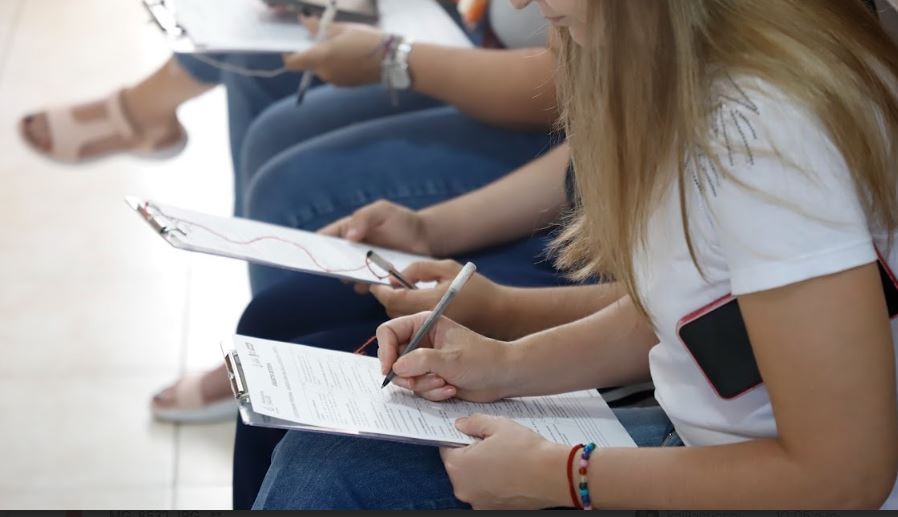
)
(415, 159)
(317, 471)
(148, 108)
(325, 109)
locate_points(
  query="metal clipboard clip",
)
(163, 15)
(236, 376)
(157, 220)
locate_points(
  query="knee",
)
(293, 190)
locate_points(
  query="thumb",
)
(308, 59)
(478, 426)
(427, 270)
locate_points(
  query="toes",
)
(35, 129)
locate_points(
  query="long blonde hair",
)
(634, 102)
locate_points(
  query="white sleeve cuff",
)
(778, 273)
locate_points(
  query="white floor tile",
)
(87, 499)
(205, 498)
(83, 432)
(205, 455)
(97, 312)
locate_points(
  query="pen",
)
(389, 268)
(460, 279)
(329, 12)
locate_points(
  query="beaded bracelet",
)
(586, 503)
(570, 475)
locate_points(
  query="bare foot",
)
(213, 385)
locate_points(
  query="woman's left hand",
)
(511, 467)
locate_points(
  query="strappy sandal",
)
(189, 406)
(69, 136)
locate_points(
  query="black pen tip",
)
(386, 381)
(370, 252)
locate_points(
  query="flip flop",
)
(189, 406)
(70, 136)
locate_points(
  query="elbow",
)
(861, 484)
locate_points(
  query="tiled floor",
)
(95, 311)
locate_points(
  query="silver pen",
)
(460, 279)
(326, 19)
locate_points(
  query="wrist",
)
(495, 319)
(554, 486)
(437, 243)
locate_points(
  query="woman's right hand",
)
(350, 55)
(386, 224)
(451, 361)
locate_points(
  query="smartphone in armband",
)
(716, 337)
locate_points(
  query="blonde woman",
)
(723, 148)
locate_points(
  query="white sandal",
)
(69, 135)
(189, 406)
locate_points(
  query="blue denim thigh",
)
(327, 108)
(414, 159)
(317, 471)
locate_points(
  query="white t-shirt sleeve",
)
(788, 211)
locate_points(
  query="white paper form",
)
(340, 392)
(272, 245)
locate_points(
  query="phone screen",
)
(718, 340)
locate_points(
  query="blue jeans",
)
(319, 471)
(324, 109)
(415, 159)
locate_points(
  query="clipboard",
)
(311, 389)
(240, 390)
(247, 26)
(232, 26)
(271, 245)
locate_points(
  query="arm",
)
(515, 206)
(825, 352)
(475, 220)
(491, 309)
(513, 88)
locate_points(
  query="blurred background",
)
(96, 312)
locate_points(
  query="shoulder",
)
(757, 130)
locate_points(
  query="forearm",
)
(748, 475)
(608, 348)
(519, 311)
(510, 208)
(512, 88)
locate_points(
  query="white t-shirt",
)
(747, 242)
(518, 28)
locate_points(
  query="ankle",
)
(145, 115)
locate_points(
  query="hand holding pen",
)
(449, 360)
(323, 27)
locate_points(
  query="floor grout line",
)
(6, 45)
(182, 369)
